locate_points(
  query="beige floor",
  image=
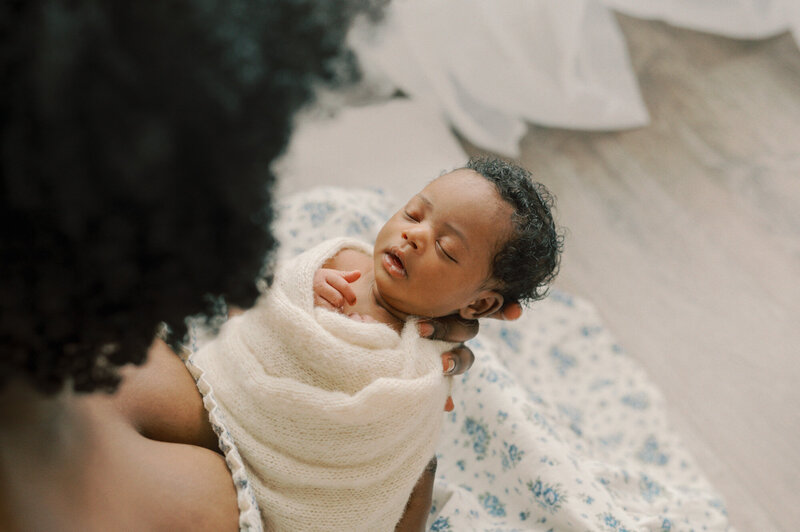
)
(686, 236)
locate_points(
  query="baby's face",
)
(434, 256)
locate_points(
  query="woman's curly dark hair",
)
(529, 260)
(136, 144)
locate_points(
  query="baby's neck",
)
(399, 316)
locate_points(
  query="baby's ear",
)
(487, 302)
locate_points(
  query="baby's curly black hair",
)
(136, 141)
(529, 259)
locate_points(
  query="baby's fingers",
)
(327, 296)
(350, 276)
(340, 282)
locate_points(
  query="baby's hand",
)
(332, 288)
(362, 317)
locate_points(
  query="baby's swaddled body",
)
(334, 419)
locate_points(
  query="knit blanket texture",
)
(334, 419)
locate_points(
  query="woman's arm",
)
(419, 503)
(161, 401)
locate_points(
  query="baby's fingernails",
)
(425, 329)
(448, 405)
(449, 365)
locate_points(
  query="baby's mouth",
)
(393, 264)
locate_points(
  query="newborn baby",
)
(325, 387)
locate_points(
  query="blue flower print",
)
(601, 383)
(719, 505)
(651, 454)
(510, 337)
(500, 379)
(593, 330)
(649, 488)
(562, 360)
(360, 226)
(511, 456)
(562, 297)
(612, 523)
(638, 401)
(441, 524)
(575, 417)
(480, 437)
(318, 212)
(493, 505)
(548, 497)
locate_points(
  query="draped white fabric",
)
(740, 19)
(490, 67)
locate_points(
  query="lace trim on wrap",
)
(249, 514)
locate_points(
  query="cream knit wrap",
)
(334, 419)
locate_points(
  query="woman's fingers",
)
(452, 328)
(510, 311)
(457, 360)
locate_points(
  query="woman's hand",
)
(454, 362)
(454, 328)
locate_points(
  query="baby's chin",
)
(384, 289)
(400, 307)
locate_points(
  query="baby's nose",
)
(415, 238)
(410, 240)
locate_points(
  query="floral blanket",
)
(555, 426)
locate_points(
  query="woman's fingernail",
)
(448, 405)
(425, 329)
(449, 365)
